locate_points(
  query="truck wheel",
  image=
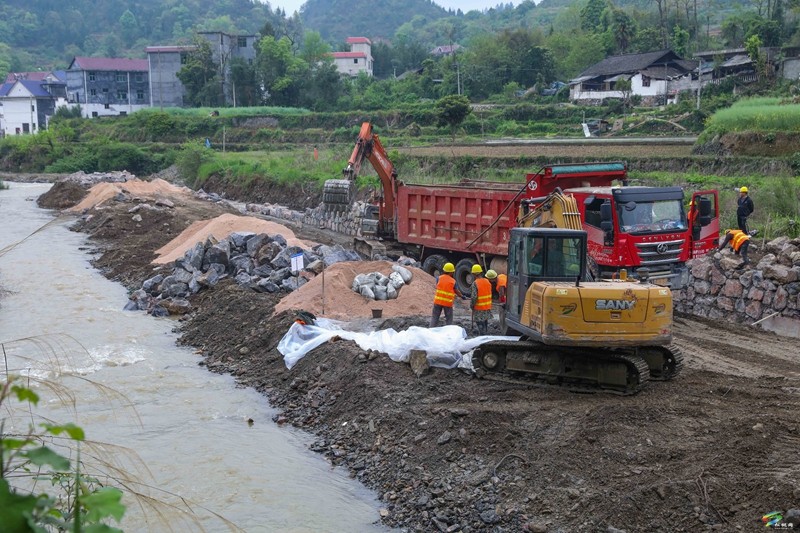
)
(433, 264)
(464, 277)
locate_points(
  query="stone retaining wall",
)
(719, 290)
(346, 222)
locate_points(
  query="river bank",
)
(713, 449)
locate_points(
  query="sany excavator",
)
(609, 335)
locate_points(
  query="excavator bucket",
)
(338, 195)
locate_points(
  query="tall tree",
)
(200, 76)
(279, 71)
(451, 111)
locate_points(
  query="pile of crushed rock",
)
(260, 262)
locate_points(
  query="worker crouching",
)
(446, 293)
(481, 299)
(740, 242)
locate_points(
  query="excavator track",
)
(665, 362)
(575, 369)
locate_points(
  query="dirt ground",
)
(714, 449)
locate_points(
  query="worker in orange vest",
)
(502, 285)
(740, 242)
(481, 299)
(446, 293)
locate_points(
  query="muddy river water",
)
(166, 427)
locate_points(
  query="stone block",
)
(732, 289)
(755, 294)
(780, 273)
(725, 303)
(753, 309)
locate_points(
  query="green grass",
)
(757, 114)
(230, 111)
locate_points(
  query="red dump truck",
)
(646, 230)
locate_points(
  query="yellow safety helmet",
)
(448, 267)
(491, 274)
(476, 269)
(743, 189)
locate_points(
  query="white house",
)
(655, 76)
(357, 60)
(26, 105)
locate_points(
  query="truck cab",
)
(648, 231)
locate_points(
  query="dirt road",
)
(714, 449)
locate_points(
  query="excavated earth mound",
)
(340, 302)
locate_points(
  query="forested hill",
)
(46, 34)
(338, 19)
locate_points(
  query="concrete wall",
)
(791, 69)
(166, 90)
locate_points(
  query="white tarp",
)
(446, 346)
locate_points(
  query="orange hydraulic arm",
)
(368, 146)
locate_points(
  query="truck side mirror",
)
(605, 212)
(705, 208)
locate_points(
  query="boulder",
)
(391, 292)
(380, 292)
(266, 285)
(255, 243)
(366, 292)
(242, 278)
(779, 273)
(293, 283)
(267, 253)
(396, 280)
(181, 275)
(159, 310)
(151, 284)
(316, 266)
(208, 278)
(701, 269)
(176, 306)
(404, 273)
(279, 275)
(241, 263)
(262, 271)
(240, 238)
(279, 240)
(219, 253)
(777, 245)
(193, 258)
(284, 258)
(767, 259)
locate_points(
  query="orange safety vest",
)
(502, 281)
(484, 302)
(445, 291)
(738, 239)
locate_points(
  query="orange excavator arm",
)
(368, 146)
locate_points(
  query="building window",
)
(645, 81)
(139, 77)
(91, 76)
(105, 90)
(94, 114)
(140, 95)
(123, 113)
(120, 76)
(184, 58)
(93, 92)
(107, 106)
(242, 42)
(355, 60)
(122, 95)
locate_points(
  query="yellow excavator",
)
(608, 335)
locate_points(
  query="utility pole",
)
(699, 79)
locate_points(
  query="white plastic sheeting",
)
(446, 346)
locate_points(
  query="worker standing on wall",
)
(446, 293)
(481, 299)
(740, 242)
(745, 209)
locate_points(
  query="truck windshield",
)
(651, 217)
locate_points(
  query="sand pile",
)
(341, 303)
(221, 227)
(153, 190)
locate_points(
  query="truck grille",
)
(659, 253)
